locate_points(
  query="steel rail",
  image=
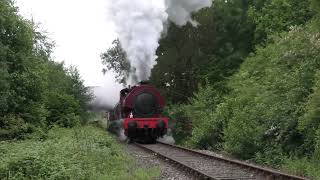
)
(179, 164)
(265, 172)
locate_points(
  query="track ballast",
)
(204, 166)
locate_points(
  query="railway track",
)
(204, 166)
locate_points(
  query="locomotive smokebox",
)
(145, 105)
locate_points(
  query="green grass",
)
(304, 166)
(78, 153)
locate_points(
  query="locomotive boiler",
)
(139, 114)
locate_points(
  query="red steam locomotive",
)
(139, 114)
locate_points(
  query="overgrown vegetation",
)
(35, 92)
(257, 98)
(42, 107)
(77, 153)
(245, 81)
(267, 109)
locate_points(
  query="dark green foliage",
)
(268, 109)
(206, 131)
(182, 124)
(64, 110)
(78, 90)
(309, 123)
(315, 5)
(4, 87)
(271, 113)
(13, 127)
(35, 91)
(211, 52)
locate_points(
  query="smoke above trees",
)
(140, 24)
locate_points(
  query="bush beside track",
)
(77, 153)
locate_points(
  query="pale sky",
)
(81, 31)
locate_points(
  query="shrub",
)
(78, 153)
(13, 127)
(195, 123)
(179, 122)
(270, 93)
(309, 123)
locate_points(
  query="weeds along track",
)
(204, 166)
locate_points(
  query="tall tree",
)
(210, 52)
(115, 60)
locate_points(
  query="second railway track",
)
(204, 166)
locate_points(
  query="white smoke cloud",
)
(105, 98)
(180, 11)
(140, 23)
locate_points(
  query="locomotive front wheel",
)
(130, 141)
(151, 140)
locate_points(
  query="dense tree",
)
(309, 123)
(269, 93)
(212, 51)
(30, 82)
(278, 16)
(271, 111)
(4, 87)
(268, 109)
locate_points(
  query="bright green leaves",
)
(270, 94)
(279, 16)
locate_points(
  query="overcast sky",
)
(81, 31)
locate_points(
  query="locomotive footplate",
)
(145, 128)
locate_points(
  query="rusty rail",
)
(267, 173)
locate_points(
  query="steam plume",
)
(140, 23)
(180, 11)
(102, 100)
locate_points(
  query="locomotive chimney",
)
(144, 82)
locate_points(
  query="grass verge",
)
(78, 153)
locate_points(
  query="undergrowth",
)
(78, 153)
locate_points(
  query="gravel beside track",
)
(147, 160)
(211, 167)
